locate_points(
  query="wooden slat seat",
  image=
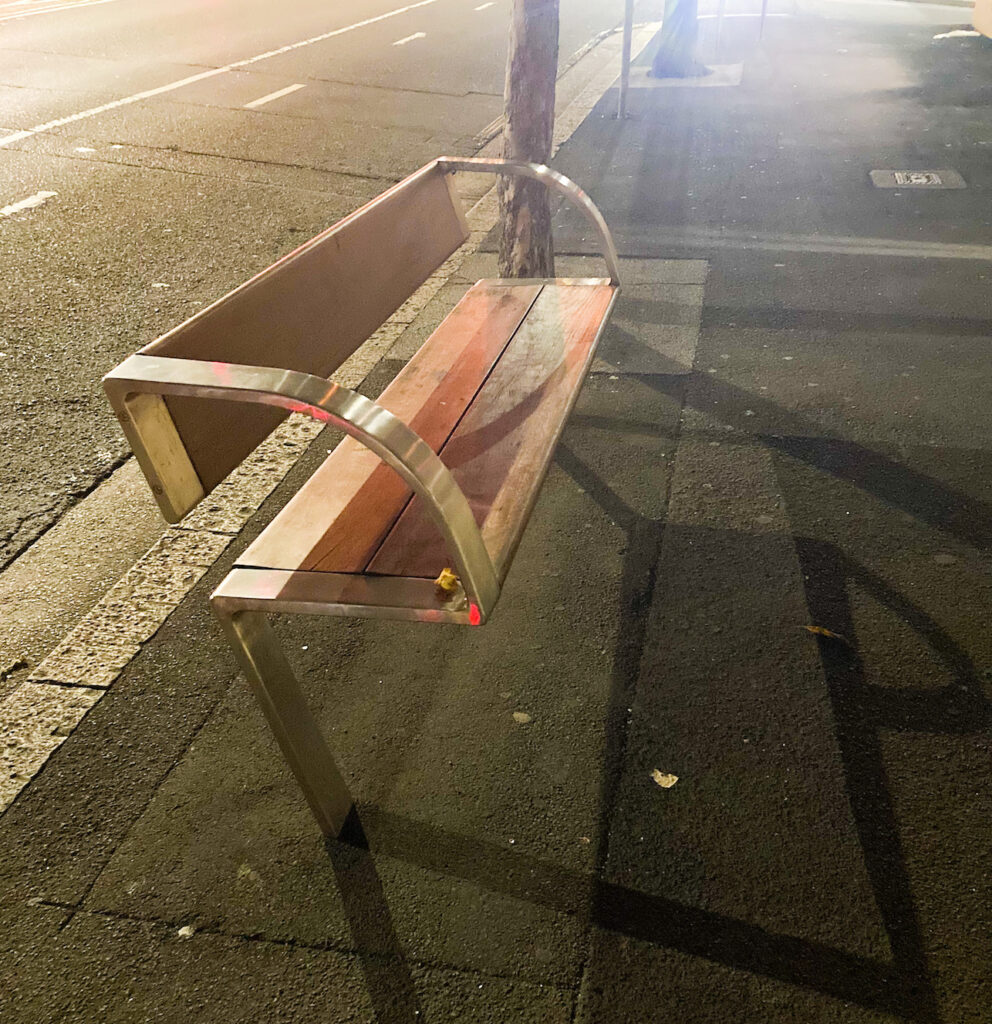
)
(490, 392)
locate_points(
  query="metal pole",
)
(719, 28)
(764, 11)
(628, 31)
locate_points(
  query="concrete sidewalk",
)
(787, 427)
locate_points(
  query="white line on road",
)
(410, 39)
(27, 204)
(49, 10)
(845, 245)
(482, 7)
(6, 140)
(273, 96)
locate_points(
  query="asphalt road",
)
(188, 145)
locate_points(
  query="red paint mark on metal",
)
(310, 410)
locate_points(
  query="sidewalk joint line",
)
(377, 956)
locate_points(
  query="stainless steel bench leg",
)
(274, 685)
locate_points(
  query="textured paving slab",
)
(46, 592)
(752, 860)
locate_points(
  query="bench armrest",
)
(553, 181)
(377, 428)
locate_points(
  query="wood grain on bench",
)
(337, 520)
(495, 430)
(501, 449)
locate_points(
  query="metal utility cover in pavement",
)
(943, 178)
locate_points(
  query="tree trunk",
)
(525, 248)
(676, 57)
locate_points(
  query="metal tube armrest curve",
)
(551, 180)
(377, 428)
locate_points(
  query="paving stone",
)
(84, 660)
(37, 718)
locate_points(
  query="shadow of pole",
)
(648, 918)
(795, 435)
(640, 566)
(859, 711)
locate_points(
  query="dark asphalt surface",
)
(842, 799)
(824, 460)
(191, 191)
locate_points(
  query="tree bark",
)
(525, 248)
(676, 56)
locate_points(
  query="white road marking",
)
(7, 140)
(15, 16)
(410, 39)
(273, 96)
(846, 245)
(27, 204)
(482, 7)
(958, 33)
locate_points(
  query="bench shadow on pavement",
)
(903, 986)
(388, 980)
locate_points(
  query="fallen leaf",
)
(828, 634)
(521, 717)
(664, 780)
(247, 871)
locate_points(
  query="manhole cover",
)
(943, 178)
(918, 178)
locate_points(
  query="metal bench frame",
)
(245, 598)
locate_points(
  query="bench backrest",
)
(311, 310)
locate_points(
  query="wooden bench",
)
(442, 472)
